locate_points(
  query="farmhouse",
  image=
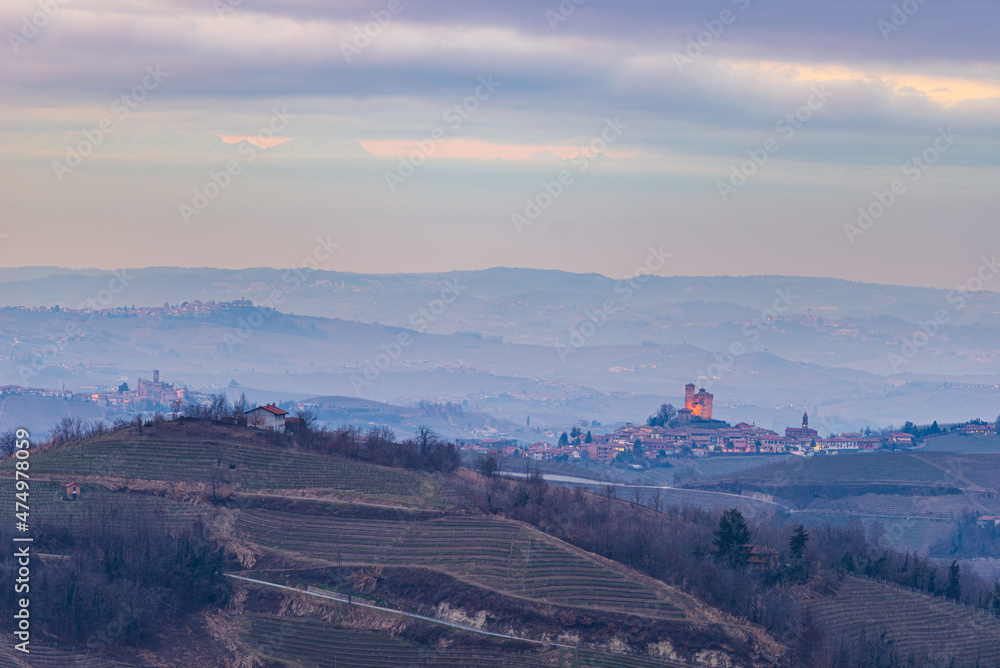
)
(762, 558)
(72, 491)
(268, 417)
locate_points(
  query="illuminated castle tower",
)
(697, 405)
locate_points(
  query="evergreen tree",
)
(797, 544)
(731, 538)
(589, 438)
(954, 590)
(564, 439)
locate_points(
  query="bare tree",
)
(8, 443)
(216, 478)
(240, 408)
(424, 438)
(488, 466)
(220, 408)
(308, 416)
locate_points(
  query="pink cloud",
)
(471, 149)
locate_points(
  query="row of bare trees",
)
(378, 445)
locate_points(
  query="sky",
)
(855, 139)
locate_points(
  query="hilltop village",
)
(146, 393)
(693, 431)
(689, 431)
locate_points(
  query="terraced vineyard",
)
(897, 505)
(245, 464)
(50, 510)
(596, 660)
(894, 468)
(717, 467)
(491, 552)
(979, 469)
(913, 621)
(314, 644)
(48, 657)
(963, 443)
(915, 533)
(690, 497)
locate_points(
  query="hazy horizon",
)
(986, 287)
(742, 138)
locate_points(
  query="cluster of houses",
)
(703, 440)
(695, 432)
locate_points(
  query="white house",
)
(268, 417)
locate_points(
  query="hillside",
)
(289, 516)
(346, 561)
(241, 459)
(918, 625)
(912, 500)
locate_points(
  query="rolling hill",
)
(308, 520)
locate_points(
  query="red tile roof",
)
(271, 408)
